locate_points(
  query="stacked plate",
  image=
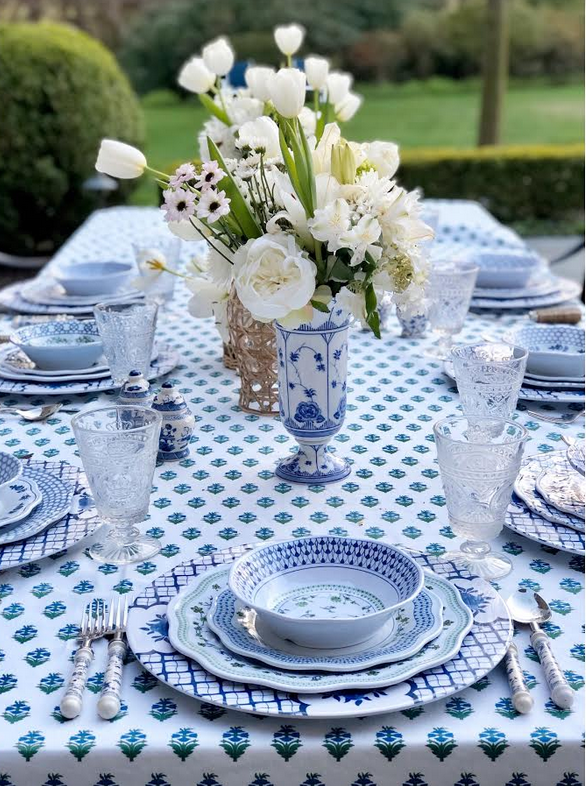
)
(321, 627)
(54, 358)
(548, 505)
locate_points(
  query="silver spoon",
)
(529, 608)
(34, 413)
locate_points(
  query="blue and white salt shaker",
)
(412, 325)
(178, 423)
(136, 390)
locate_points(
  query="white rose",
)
(218, 56)
(287, 91)
(196, 77)
(244, 108)
(347, 107)
(118, 159)
(273, 276)
(338, 85)
(289, 38)
(316, 71)
(257, 79)
(260, 136)
(308, 120)
(384, 156)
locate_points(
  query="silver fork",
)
(93, 626)
(559, 421)
(109, 701)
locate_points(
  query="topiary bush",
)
(515, 183)
(61, 91)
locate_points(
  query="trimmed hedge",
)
(61, 91)
(513, 182)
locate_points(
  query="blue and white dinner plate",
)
(482, 649)
(165, 362)
(241, 630)
(567, 290)
(17, 500)
(80, 521)
(523, 521)
(539, 287)
(46, 291)
(11, 298)
(57, 496)
(525, 487)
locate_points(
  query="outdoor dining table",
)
(226, 494)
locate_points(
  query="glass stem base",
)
(123, 546)
(477, 557)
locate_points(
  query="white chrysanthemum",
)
(330, 223)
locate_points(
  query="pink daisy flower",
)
(210, 175)
(183, 174)
(213, 205)
(179, 204)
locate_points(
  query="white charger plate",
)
(416, 624)
(17, 500)
(482, 649)
(567, 290)
(532, 378)
(47, 292)
(545, 285)
(525, 488)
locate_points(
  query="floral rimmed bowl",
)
(554, 350)
(94, 278)
(325, 592)
(52, 346)
(506, 270)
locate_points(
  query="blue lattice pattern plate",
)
(79, 522)
(482, 649)
(523, 521)
(17, 500)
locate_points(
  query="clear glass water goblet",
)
(118, 449)
(489, 377)
(157, 246)
(479, 460)
(450, 288)
(128, 333)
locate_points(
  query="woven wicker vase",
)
(255, 351)
(229, 356)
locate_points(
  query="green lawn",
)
(416, 114)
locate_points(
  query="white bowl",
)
(506, 270)
(70, 344)
(554, 350)
(325, 592)
(94, 278)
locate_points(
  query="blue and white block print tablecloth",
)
(226, 494)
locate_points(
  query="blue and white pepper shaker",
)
(178, 423)
(136, 390)
(412, 325)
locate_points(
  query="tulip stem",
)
(157, 172)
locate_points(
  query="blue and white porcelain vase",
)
(136, 390)
(177, 426)
(312, 363)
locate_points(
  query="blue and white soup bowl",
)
(554, 350)
(312, 369)
(52, 346)
(326, 592)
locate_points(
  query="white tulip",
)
(118, 159)
(289, 38)
(257, 79)
(195, 76)
(218, 56)
(384, 156)
(287, 91)
(338, 86)
(316, 71)
(347, 107)
(308, 120)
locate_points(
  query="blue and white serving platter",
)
(79, 521)
(165, 362)
(526, 489)
(566, 290)
(524, 521)
(17, 500)
(57, 496)
(482, 649)
(241, 630)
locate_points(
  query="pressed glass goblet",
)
(128, 334)
(450, 289)
(479, 459)
(489, 378)
(118, 449)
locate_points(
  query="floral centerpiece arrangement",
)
(309, 229)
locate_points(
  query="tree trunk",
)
(495, 71)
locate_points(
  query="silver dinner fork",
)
(109, 701)
(93, 626)
(559, 421)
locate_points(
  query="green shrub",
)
(515, 183)
(60, 92)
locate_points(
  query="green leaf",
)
(292, 169)
(238, 207)
(373, 322)
(319, 306)
(213, 108)
(340, 271)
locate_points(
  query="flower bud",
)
(195, 76)
(118, 159)
(289, 38)
(257, 79)
(287, 91)
(316, 71)
(338, 85)
(218, 56)
(347, 107)
(343, 163)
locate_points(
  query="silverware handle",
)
(559, 690)
(109, 701)
(72, 700)
(522, 699)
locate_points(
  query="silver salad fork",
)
(93, 626)
(109, 701)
